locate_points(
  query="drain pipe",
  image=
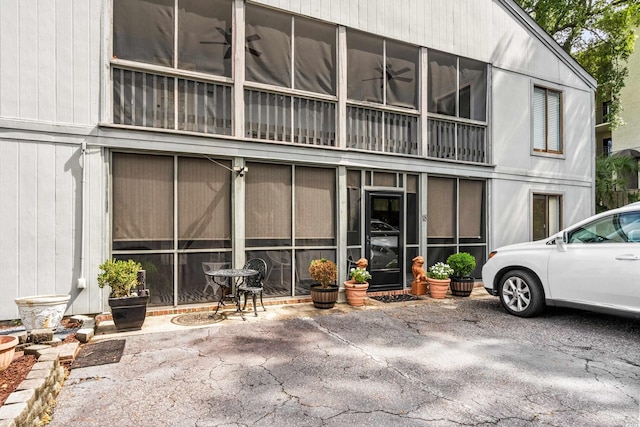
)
(82, 281)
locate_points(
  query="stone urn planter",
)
(42, 311)
(8, 345)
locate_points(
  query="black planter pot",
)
(461, 286)
(324, 297)
(129, 312)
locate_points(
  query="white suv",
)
(592, 265)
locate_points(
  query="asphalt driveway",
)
(434, 363)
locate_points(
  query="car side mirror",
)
(561, 241)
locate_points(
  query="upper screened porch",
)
(293, 81)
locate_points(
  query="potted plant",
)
(128, 306)
(8, 345)
(356, 287)
(325, 272)
(463, 264)
(438, 279)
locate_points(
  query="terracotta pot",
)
(8, 345)
(461, 286)
(438, 288)
(418, 288)
(324, 297)
(356, 293)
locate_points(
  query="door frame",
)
(385, 280)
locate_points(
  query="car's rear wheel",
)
(521, 293)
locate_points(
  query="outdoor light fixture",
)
(241, 170)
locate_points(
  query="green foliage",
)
(359, 275)
(119, 275)
(462, 263)
(440, 271)
(599, 34)
(611, 181)
(324, 271)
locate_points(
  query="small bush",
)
(462, 263)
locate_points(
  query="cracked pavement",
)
(457, 362)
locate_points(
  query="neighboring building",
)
(627, 136)
(625, 139)
(179, 132)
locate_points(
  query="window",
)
(547, 215)
(618, 228)
(273, 41)
(271, 218)
(269, 51)
(149, 208)
(547, 120)
(456, 218)
(268, 46)
(451, 201)
(381, 71)
(457, 87)
(384, 72)
(606, 110)
(145, 32)
(607, 147)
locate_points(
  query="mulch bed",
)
(15, 373)
(18, 370)
(396, 298)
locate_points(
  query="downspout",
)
(82, 281)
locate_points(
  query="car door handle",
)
(627, 257)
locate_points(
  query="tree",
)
(599, 34)
(611, 181)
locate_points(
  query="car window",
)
(617, 228)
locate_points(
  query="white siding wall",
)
(518, 173)
(50, 60)
(40, 220)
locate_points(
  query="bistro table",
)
(236, 274)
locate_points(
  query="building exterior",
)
(627, 136)
(624, 139)
(183, 132)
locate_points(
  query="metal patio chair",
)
(254, 285)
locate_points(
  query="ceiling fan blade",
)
(402, 71)
(254, 52)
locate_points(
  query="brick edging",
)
(35, 395)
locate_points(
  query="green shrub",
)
(462, 263)
(119, 275)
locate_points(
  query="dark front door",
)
(383, 239)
